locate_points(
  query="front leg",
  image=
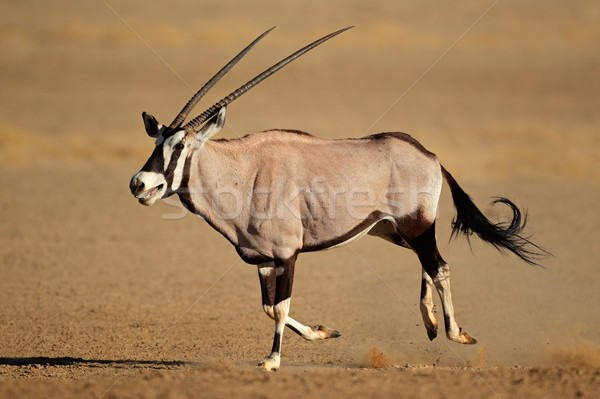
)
(276, 280)
(268, 281)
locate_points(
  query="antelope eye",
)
(179, 146)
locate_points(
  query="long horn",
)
(200, 93)
(195, 123)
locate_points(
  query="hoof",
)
(326, 332)
(467, 339)
(270, 364)
(464, 338)
(431, 332)
(471, 340)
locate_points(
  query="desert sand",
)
(101, 297)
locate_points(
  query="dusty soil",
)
(101, 297)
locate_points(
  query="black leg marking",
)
(276, 348)
(294, 329)
(268, 281)
(285, 280)
(425, 246)
(423, 288)
(447, 322)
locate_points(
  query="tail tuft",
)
(502, 235)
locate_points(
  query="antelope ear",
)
(153, 128)
(213, 126)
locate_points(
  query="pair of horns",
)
(195, 123)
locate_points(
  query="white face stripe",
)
(168, 147)
(178, 172)
(167, 152)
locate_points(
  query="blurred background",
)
(506, 93)
(521, 77)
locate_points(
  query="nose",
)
(135, 185)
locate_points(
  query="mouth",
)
(148, 195)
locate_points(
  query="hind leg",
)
(438, 272)
(427, 306)
(390, 231)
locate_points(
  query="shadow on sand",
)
(71, 361)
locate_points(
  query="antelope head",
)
(162, 175)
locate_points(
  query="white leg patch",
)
(281, 312)
(265, 269)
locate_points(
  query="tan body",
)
(274, 193)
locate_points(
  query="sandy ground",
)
(101, 297)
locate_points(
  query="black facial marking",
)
(173, 163)
(156, 161)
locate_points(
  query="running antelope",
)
(277, 193)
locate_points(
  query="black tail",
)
(470, 220)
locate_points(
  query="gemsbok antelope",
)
(277, 193)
